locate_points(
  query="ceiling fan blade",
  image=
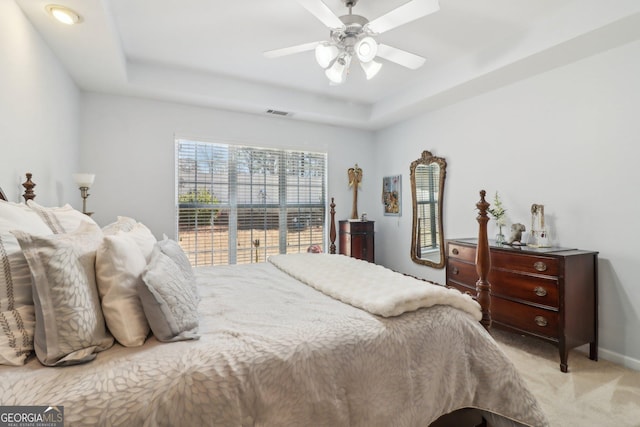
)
(322, 12)
(401, 57)
(401, 15)
(276, 53)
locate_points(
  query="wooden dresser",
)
(550, 293)
(357, 239)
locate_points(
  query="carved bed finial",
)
(483, 262)
(28, 186)
(332, 230)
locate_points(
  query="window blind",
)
(428, 183)
(240, 204)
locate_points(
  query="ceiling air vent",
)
(278, 113)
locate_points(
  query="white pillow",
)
(17, 318)
(119, 267)
(70, 327)
(123, 223)
(143, 238)
(173, 250)
(62, 219)
(21, 215)
(168, 299)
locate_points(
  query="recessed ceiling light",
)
(63, 14)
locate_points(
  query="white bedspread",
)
(279, 353)
(370, 287)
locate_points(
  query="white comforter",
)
(279, 353)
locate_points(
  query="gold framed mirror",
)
(427, 175)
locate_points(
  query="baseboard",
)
(612, 356)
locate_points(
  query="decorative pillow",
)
(172, 249)
(17, 318)
(143, 238)
(119, 267)
(122, 224)
(60, 220)
(70, 326)
(169, 302)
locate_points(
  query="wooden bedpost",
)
(28, 188)
(332, 229)
(483, 262)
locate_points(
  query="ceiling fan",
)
(353, 37)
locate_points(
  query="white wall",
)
(38, 110)
(567, 139)
(130, 144)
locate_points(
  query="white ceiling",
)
(209, 52)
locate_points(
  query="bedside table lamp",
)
(84, 181)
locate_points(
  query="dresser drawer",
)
(463, 288)
(525, 317)
(464, 253)
(525, 263)
(536, 290)
(354, 227)
(462, 272)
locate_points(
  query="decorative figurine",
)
(355, 176)
(516, 234)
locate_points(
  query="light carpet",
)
(597, 394)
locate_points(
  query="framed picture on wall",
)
(392, 195)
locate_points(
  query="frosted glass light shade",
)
(366, 49)
(371, 68)
(337, 73)
(84, 179)
(326, 53)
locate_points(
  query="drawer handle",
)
(540, 321)
(455, 251)
(455, 271)
(540, 291)
(540, 266)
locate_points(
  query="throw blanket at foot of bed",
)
(370, 287)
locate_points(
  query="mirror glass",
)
(427, 176)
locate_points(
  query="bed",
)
(281, 343)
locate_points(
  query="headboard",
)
(28, 189)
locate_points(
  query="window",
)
(239, 204)
(428, 183)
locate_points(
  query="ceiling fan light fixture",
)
(371, 68)
(366, 49)
(337, 73)
(325, 54)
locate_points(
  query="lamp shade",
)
(371, 68)
(325, 53)
(337, 73)
(84, 179)
(366, 49)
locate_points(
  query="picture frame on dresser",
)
(549, 293)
